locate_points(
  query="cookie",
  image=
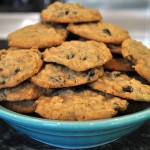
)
(18, 65)
(77, 106)
(119, 84)
(114, 48)
(40, 35)
(78, 55)
(21, 106)
(58, 76)
(69, 13)
(139, 55)
(118, 64)
(100, 31)
(23, 91)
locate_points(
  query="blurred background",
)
(133, 15)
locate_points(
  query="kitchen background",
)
(133, 15)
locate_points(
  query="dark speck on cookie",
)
(66, 12)
(84, 58)
(91, 74)
(127, 88)
(106, 31)
(117, 107)
(16, 71)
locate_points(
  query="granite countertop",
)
(11, 139)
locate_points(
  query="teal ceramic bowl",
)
(75, 134)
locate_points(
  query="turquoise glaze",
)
(75, 134)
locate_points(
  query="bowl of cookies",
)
(73, 80)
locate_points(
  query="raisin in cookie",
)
(100, 31)
(139, 55)
(81, 105)
(78, 55)
(57, 76)
(21, 106)
(18, 65)
(23, 91)
(69, 13)
(40, 35)
(119, 84)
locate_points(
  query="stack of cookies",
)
(73, 66)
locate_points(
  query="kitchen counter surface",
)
(11, 139)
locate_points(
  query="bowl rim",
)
(125, 120)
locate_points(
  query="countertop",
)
(11, 139)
